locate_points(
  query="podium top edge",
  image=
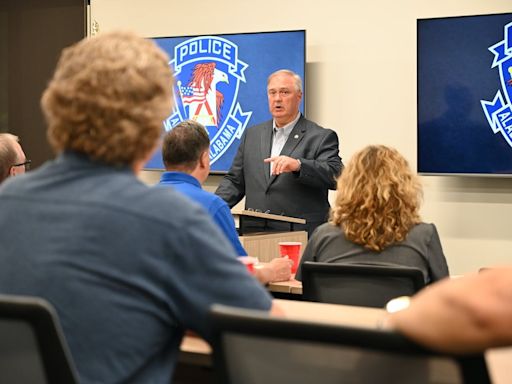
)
(269, 216)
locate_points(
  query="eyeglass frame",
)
(281, 92)
(26, 164)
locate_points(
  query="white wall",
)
(361, 81)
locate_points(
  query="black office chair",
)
(250, 347)
(32, 346)
(358, 284)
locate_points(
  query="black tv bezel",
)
(304, 77)
(471, 175)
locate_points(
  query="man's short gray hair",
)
(296, 78)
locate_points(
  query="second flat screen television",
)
(221, 81)
(464, 95)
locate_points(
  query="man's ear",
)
(204, 159)
(12, 171)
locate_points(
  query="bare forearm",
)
(264, 274)
(443, 325)
(278, 269)
(462, 315)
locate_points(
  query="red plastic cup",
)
(292, 250)
(249, 262)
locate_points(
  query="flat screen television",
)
(464, 95)
(221, 81)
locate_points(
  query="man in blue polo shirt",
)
(186, 158)
(185, 153)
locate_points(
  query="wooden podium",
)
(264, 243)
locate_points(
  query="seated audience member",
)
(463, 315)
(186, 155)
(375, 218)
(127, 267)
(12, 158)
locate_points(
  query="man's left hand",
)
(283, 164)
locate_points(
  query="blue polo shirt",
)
(213, 204)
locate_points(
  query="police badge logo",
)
(208, 76)
(499, 112)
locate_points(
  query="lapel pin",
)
(296, 136)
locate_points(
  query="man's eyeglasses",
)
(26, 164)
(281, 92)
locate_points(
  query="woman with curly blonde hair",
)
(376, 218)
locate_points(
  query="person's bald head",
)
(12, 157)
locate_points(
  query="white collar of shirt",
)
(288, 127)
(279, 138)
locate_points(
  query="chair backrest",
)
(251, 347)
(358, 284)
(32, 346)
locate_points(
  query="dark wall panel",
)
(36, 33)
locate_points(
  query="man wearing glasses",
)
(12, 158)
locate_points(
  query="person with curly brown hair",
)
(128, 267)
(375, 218)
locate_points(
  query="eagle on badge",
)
(201, 95)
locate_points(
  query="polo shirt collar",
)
(288, 127)
(176, 177)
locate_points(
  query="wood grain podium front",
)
(265, 244)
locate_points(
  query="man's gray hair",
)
(296, 78)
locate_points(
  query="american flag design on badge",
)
(208, 76)
(201, 94)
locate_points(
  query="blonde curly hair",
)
(108, 97)
(378, 198)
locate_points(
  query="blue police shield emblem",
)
(208, 76)
(498, 112)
